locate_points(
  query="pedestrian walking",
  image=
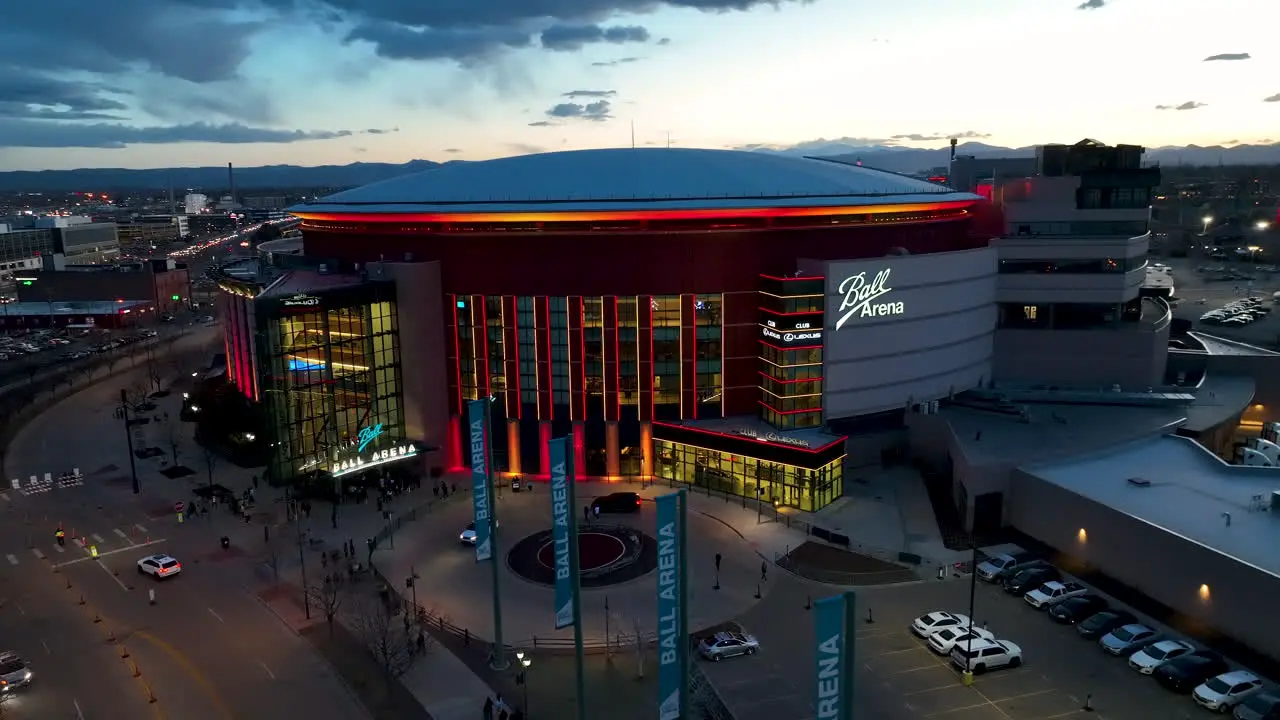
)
(255, 482)
(764, 570)
(487, 710)
(586, 513)
(422, 642)
(596, 511)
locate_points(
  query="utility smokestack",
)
(231, 182)
(953, 149)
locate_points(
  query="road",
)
(207, 648)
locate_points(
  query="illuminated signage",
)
(792, 338)
(368, 435)
(811, 321)
(772, 437)
(860, 297)
(364, 461)
(302, 301)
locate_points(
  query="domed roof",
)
(634, 179)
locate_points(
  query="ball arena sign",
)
(860, 297)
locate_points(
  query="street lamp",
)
(1262, 225)
(1207, 220)
(973, 592)
(523, 680)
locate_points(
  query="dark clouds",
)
(1273, 98)
(1188, 105)
(1091, 4)
(591, 94)
(615, 63)
(1228, 56)
(24, 94)
(597, 111)
(15, 132)
(465, 45)
(934, 137)
(567, 38)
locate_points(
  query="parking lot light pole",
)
(128, 436)
(523, 679)
(973, 594)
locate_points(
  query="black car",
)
(1099, 624)
(1182, 674)
(1263, 706)
(1073, 610)
(1024, 581)
(619, 502)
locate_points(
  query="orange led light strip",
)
(606, 215)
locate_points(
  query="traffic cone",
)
(124, 652)
(82, 600)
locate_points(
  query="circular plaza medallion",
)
(606, 556)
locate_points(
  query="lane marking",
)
(59, 548)
(140, 528)
(957, 709)
(36, 551)
(215, 614)
(191, 670)
(269, 673)
(5, 497)
(79, 712)
(121, 533)
(98, 538)
(1019, 697)
(12, 560)
(20, 610)
(109, 552)
(115, 577)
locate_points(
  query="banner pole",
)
(499, 660)
(574, 574)
(848, 657)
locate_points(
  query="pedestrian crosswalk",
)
(36, 484)
(81, 544)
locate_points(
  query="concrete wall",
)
(1264, 369)
(420, 317)
(1165, 567)
(1132, 355)
(939, 343)
(933, 443)
(1066, 287)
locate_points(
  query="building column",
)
(612, 462)
(646, 450)
(544, 447)
(579, 450)
(453, 456)
(513, 446)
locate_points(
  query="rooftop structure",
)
(1190, 492)
(642, 180)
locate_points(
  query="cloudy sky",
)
(156, 83)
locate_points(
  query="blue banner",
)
(477, 417)
(672, 648)
(830, 695)
(562, 526)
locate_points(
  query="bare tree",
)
(374, 624)
(328, 596)
(136, 394)
(172, 435)
(153, 375)
(210, 463)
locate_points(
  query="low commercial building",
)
(81, 315)
(161, 284)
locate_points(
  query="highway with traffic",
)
(105, 641)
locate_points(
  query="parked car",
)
(997, 566)
(1054, 592)
(1074, 610)
(1183, 674)
(1125, 639)
(937, 621)
(986, 655)
(1156, 654)
(1102, 623)
(944, 641)
(1227, 690)
(727, 644)
(619, 502)
(1024, 581)
(1262, 706)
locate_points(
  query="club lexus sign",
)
(861, 297)
(804, 337)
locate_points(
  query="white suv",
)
(159, 566)
(1227, 690)
(1054, 592)
(986, 655)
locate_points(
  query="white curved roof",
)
(634, 179)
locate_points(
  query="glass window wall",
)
(747, 477)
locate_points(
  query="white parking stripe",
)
(12, 560)
(5, 497)
(98, 538)
(36, 551)
(121, 533)
(59, 548)
(141, 529)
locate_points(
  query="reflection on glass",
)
(747, 477)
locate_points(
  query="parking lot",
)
(899, 677)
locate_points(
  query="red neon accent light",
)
(551, 374)
(787, 382)
(582, 360)
(617, 360)
(788, 412)
(653, 369)
(794, 347)
(457, 361)
(840, 439)
(798, 312)
(515, 326)
(792, 279)
(453, 445)
(483, 312)
(544, 447)
(604, 215)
